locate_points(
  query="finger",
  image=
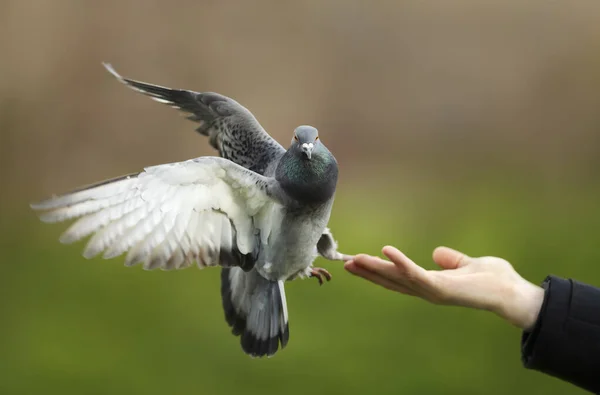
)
(447, 258)
(402, 270)
(409, 270)
(368, 275)
(377, 265)
(400, 260)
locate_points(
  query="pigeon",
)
(258, 211)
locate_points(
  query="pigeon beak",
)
(307, 149)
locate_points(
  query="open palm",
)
(487, 283)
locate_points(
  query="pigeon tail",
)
(256, 310)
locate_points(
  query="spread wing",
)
(207, 210)
(230, 127)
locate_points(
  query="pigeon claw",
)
(319, 273)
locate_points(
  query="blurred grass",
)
(73, 326)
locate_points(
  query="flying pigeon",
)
(258, 211)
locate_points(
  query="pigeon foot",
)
(319, 273)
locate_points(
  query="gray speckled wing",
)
(230, 127)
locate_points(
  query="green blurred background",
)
(465, 123)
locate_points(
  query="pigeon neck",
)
(308, 181)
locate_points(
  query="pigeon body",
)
(259, 211)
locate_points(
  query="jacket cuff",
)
(552, 316)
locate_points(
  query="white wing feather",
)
(169, 215)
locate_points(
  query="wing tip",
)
(36, 206)
(67, 239)
(114, 73)
(50, 218)
(45, 204)
(142, 87)
(90, 252)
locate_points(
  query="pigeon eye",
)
(296, 138)
(316, 138)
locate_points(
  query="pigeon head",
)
(307, 171)
(305, 140)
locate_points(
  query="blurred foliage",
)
(466, 123)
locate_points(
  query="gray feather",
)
(255, 309)
(231, 128)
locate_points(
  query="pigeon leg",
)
(319, 273)
(327, 248)
(337, 256)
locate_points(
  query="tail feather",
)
(255, 309)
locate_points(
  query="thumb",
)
(447, 258)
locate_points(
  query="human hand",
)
(487, 283)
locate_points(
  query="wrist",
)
(523, 304)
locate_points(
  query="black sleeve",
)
(565, 341)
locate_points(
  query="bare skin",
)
(487, 283)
